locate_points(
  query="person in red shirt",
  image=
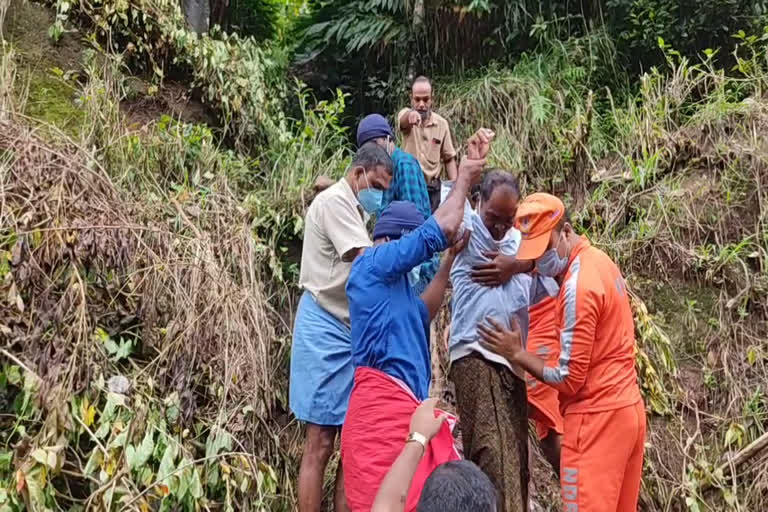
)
(604, 415)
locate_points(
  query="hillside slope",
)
(147, 287)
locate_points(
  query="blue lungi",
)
(322, 373)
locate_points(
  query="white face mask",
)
(551, 264)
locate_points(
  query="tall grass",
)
(156, 255)
(7, 79)
(541, 109)
(668, 177)
(286, 172)
(150, 249)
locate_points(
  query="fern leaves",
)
(357, 25)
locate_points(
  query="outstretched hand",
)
(424, 420)
(508, 343)
(414, 118)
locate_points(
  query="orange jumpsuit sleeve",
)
(580, 305)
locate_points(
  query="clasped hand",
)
(425, 421)
(478, 147)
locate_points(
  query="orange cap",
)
(537, 215)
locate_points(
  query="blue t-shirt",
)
(390, 325)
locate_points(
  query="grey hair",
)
(370, 155)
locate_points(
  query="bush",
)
(234, 74)
(153, 372)
(690, 26)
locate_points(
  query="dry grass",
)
(685, 203)
(98, 236)
(181, 279)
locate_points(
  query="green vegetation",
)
(148, 261)
(52, 100)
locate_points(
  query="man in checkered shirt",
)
(408, 184)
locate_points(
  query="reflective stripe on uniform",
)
(559, 374)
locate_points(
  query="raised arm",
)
(449, 215)
(393, 259)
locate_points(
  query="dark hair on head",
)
(370, 155)
(565, 218)
(419, 79)
(474, 194)
(458, 486)
(496, 178)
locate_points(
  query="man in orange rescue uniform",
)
(604, 415)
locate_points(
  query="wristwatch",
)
(417, 438)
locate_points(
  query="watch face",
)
(419, 438)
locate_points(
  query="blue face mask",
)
(551, 264)
(370, 198)
(413, 276)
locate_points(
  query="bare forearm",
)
(435, 293)
(450, 214)
(451, 169)
(393, 492)
(531, 364)
(521, 266)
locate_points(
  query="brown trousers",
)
(493, 416)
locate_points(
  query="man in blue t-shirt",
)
(390, 327)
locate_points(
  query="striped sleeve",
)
(580, 306)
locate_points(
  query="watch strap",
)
(418, 438)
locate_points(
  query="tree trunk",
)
(197, 14)
(416, 27)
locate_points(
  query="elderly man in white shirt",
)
(491, 393)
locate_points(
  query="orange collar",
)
(581, 245)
